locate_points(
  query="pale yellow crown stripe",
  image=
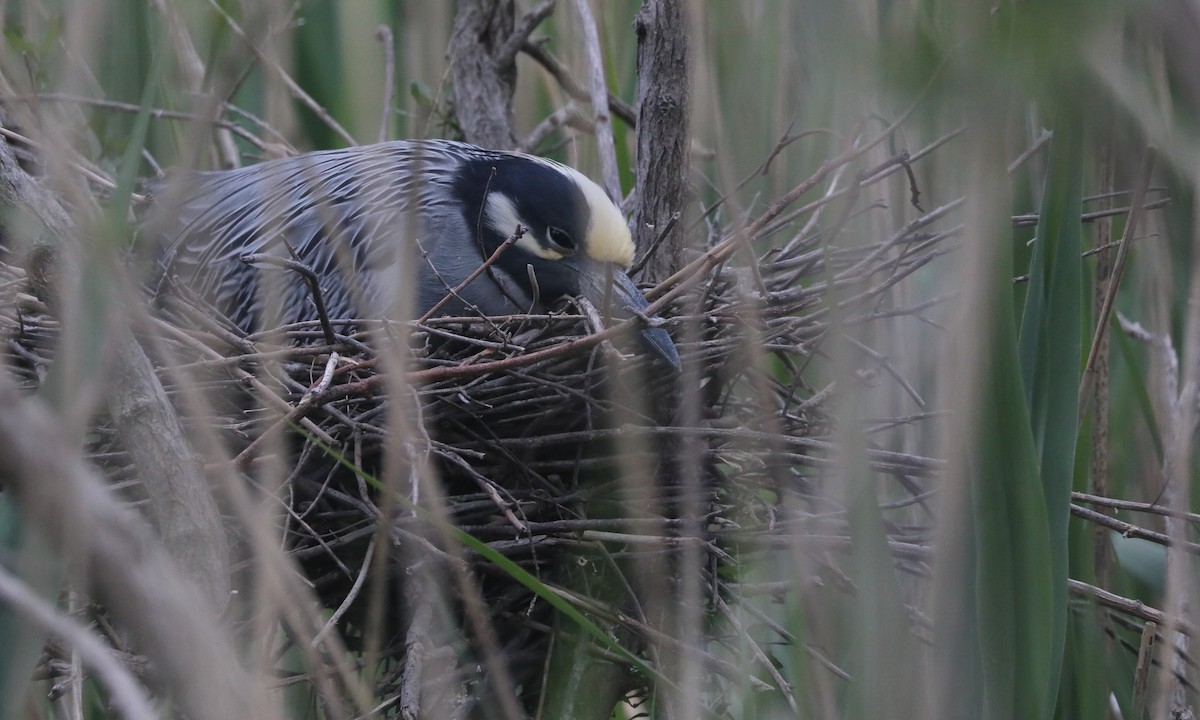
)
(608, 237)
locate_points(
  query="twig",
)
(523, 29)
(292, 86)
(124, 691)
(310, 279)
(764, 661)
(384, 35)
(1126, 605)
(92, 173)
(780, 145)
(599, 92)
(568, 114)
(351, 596)
(1141, 507)
(193, 72)
(662, 235)
(310, 399)
(672, 287)
(1040, 142)
(1032, 219)
(1141, 673)
(1129, 529)
(243, 376)
(326, 378)
(559, 72)
(453, 292)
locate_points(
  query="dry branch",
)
(567, 82)
(484, 72)
(127, 695)
(606, 149)
(184, 509)
(117, 558)
(662, 134)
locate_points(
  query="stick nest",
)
(591, 455)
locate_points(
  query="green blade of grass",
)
(25, 555)
(1050, 348)
(883, 661)
(1013, 562)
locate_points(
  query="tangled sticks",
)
(536, 437)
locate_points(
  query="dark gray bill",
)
(626, 301)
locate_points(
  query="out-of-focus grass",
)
(1005, 629)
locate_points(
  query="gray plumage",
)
(389, 229)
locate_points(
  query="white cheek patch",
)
(501, 216)
(608, 238)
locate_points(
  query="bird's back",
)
(358, 218)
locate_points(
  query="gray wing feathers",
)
(349, 215)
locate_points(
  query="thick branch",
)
(484, 79)
(662, 131)
(172, 476)
(123, 565)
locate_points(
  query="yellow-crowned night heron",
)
(394, 228)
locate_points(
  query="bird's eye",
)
(561, 240)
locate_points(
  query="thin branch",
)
(351, 596)
(491, 260)
(658, 241)
(288, 82)
(310, 278)
(384, 35)
(193, 72)
(1130, 505)
(605, 145)
(568, 114)
(124, 690)
(562, 75)
(1031, 219)
(1129, 529)
(672, 287)
(522, 30)
(1129, 606)
(1141, 673)
(92, 173)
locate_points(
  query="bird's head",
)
(575, 240)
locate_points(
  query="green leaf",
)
(1013, 562)
(24, 555)
(1143, 559)
(883, 653)
(1050, 349)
